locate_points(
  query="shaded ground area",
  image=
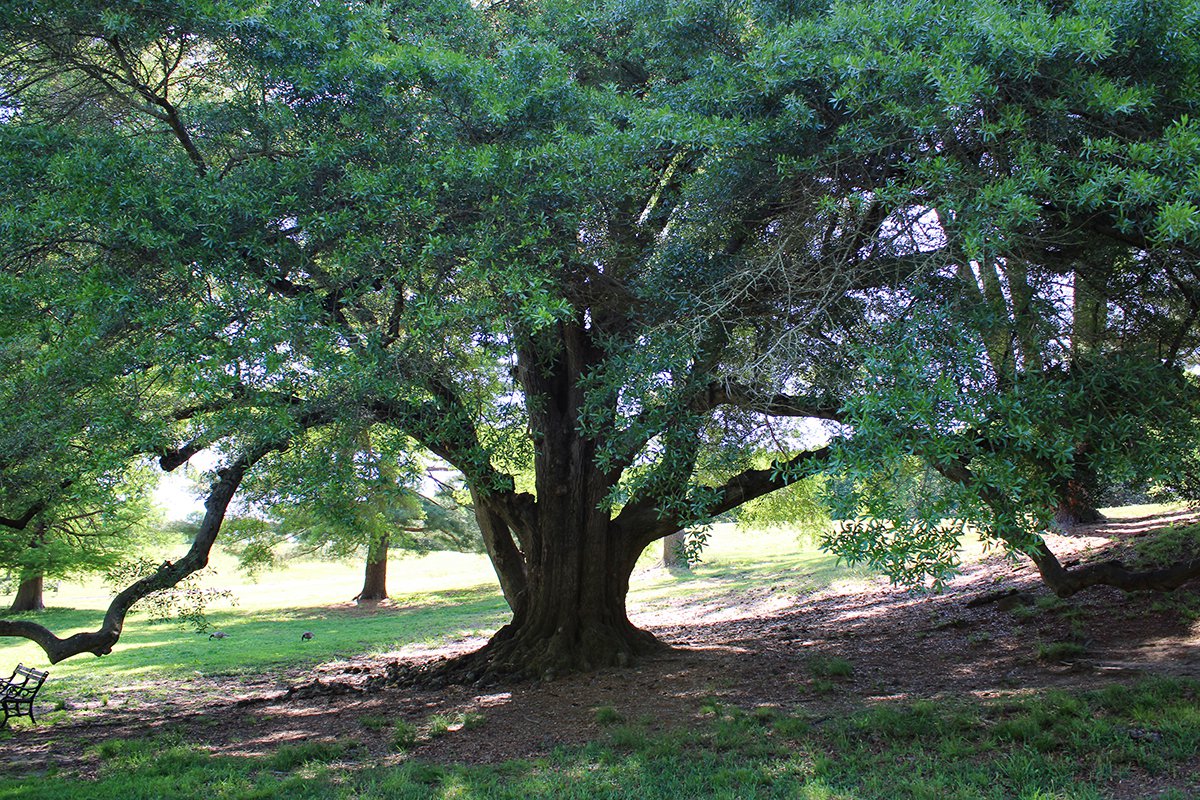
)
(861, 642)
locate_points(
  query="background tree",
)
(365, 499)
(621, 248)
(85, 535)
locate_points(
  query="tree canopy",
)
(625, 248)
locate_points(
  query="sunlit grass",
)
(434, 598)
(1141, 510)
(737, 561)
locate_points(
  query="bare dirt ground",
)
(749, 649)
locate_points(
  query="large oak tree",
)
(623, 248)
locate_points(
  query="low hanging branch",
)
(1066, 581)
(101, 642)
(644, 517)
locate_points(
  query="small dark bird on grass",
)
(306, 636)
(218, 635)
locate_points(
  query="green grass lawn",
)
(1054, 747)
(435, 597)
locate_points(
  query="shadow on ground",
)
(822, 654)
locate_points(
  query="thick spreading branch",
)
(22, 522)
(773, 405)
(1066, 581)
(100, 642)
(508, 560)
(647, 523)
(444, 427)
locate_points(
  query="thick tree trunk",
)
(672, 556)
(568, 593)
(375, 580)
(29, 595)
(560, 631)
(1076, 505)
(572, 615)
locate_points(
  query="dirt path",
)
(749, 649)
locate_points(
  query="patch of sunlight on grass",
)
(302, 583)
(1143, 510)
(735, 560)
(434, 596)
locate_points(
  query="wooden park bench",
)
(17, 693)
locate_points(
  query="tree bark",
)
(1065, 582)
(672, 551)
(1076, 505)
(375, 580)
(29, 594)
(571, 615)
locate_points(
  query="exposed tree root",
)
(1065, 582)
(510, 657)
(520, 655)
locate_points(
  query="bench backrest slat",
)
(27, 675)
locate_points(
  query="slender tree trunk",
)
(375, 580)
(29, 594)
(29, 591)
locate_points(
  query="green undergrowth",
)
(1050, 746)
(1168, 545)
